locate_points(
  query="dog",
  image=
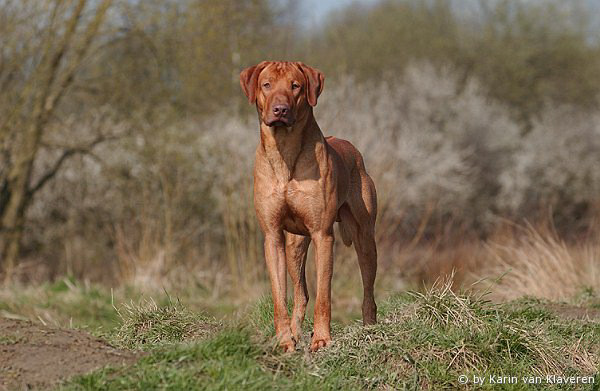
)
(303, 184)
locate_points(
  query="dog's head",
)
(281, 90)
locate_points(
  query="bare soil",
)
(33, 356)
(570, 312)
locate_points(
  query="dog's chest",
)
(303, 204)
(289, 188)
(302, 196)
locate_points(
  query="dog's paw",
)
(288, 345)
(318, 343)
(286, 340)
(296, 333)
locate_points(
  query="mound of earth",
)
(35, 356)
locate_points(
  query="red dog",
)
(303, 183)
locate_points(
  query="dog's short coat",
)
(303, 183)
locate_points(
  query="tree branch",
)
(80, 51)
(67, 153)
(4, 195)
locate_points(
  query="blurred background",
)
(126, 144)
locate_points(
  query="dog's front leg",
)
(322, 318)
(275, 258)
(296, 247)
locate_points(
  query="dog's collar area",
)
(287, 129)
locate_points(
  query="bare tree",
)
(42, 46)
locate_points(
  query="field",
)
(424, 340)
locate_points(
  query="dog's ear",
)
(315, 81)
(249, 80)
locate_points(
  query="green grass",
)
(68, 303)
(65, 303)
(229, 359)
(424, 340)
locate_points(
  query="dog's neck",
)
(282, 145)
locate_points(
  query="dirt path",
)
(35, 356)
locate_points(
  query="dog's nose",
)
(281, 110)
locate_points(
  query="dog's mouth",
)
(279, 123)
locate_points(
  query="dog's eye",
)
(267, 85)
(295, 86)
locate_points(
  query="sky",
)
(316, 10)
(324, 6)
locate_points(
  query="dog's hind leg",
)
(359, 220)
(296, 248)
(366, 251)
(364, 244)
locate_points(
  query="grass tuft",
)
(147, 324)
(440, 306)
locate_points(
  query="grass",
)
(226, 360)
(64, 303)
(148, 324)
(424, 340)
(100, 310)
(536, 261)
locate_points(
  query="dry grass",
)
(534, 261)
(148, 324)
